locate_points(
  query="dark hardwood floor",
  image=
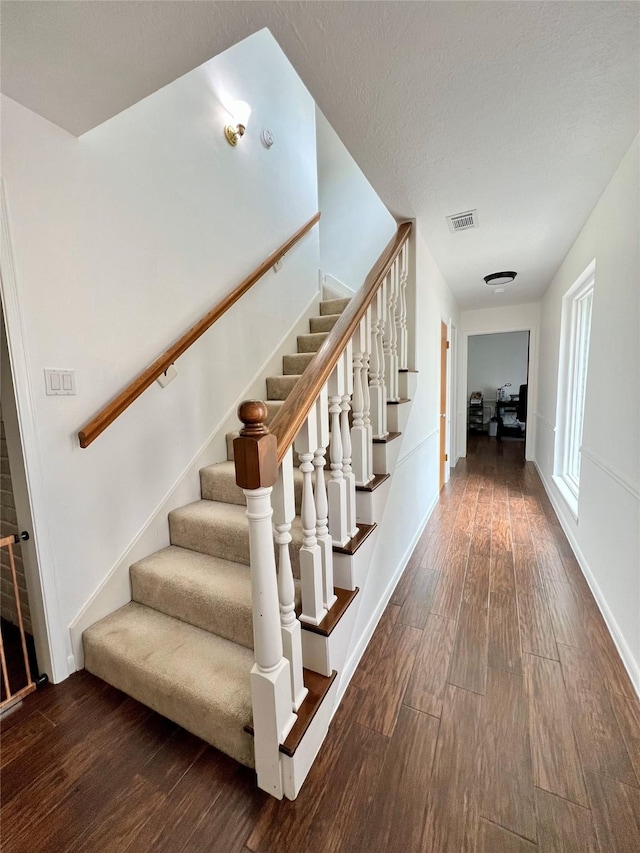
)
(490, 713)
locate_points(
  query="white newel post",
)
(359, 434)
(337, 484)
(284, 510)
(329, 597)
(377, 387)
(273, 717)
(390, 342)
(345, 429)
(306, 444)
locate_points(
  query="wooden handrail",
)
(117, 406)
(293, 412)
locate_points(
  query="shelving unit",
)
(475, 415)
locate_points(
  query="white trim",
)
(573, 365)
(56, 633)
(630, 664)
(567, 495)
(418, 447)
(545, 421)
(620, 479)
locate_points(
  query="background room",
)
(497, 371)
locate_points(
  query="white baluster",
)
(390, 342)
(366, 411)
(284, 510)
(337, 484)
(404, 275)
(273, 716)
(359, 434)
(313, 610)
(329, 597)
(377, 387)
(345, 429)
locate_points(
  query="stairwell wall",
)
(121, 239)
(355, 225)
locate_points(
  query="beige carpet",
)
(183, 646)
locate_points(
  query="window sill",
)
(568, 496)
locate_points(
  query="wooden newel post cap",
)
(255, 450)
(253, 414)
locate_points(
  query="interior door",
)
(444, 346)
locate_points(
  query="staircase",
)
(184, 645)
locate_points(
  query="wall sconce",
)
(234, 132)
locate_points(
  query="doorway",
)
(444, 346)
(497, 385)
(15, 518)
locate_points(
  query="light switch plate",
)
(59, 382)
(165, 378)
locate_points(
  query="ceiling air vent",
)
(463, 221)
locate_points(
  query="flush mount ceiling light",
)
(500, 278)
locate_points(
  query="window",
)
(574, 359)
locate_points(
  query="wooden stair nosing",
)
(398, 402)
(364, 531)
(318, 686)
(371, 486)
(345, 597)
(388, 438)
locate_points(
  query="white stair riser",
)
(385, 456)
(408, 384)
(296, 768)
(327, 654)
(350, 571)
(370, 505)
(398, 416)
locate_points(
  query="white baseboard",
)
(621, 644)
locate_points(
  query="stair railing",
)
(107, 415)
(339, 404)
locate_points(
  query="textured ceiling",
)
(522, 110)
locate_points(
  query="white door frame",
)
(532, 390)
(49, 630)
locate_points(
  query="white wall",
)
(355, 225)
(506, 318)
(606, 535)
(495, 360)
(121, 239)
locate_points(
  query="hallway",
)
(490, 713)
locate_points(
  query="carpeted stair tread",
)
(323, 324)
(279, 387)
(311, 342)
(333, 306)
(218, 483)
(221, 530)
(297, 363)
(194, 678)
(207, 592)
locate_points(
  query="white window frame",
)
(577, 309)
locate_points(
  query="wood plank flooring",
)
(489, 714)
